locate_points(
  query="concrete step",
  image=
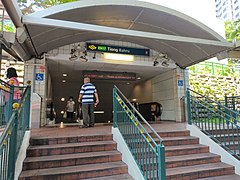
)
(191, 159)
(226, 137)
(221, 130)
(115, 177)
(186, 149)
(227, 177)
(187, 160)
(172, 133)
(167, 141)
(76, 172)
(184, 140)
(70, 148)
(232, 145)
(200, 171)
(69, 139)
(53, 161)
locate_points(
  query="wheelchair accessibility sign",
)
(39, 77)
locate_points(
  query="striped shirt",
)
(88, 90)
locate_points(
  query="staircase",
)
(71, 158)
(95, 157)
(229, 138)
(187, 159)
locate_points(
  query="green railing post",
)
(161, 162)
(28, 107)
(212, 69)
(114, 108)
(226, 101)
(189, 108)
(10, 102)
(12, 149)
(222, 70)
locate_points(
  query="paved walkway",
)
(98, 129)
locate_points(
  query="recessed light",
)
(62, 112)
(119, 57)
(64, 75)
(128, 83)
(134, 100)
(64, 81)
(138, 78)
(62, 99)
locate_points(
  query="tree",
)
(30, 6)
(232, 30)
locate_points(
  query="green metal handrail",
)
(215, 69)
(218, 121)
(148, 154)
(12, 136)
(6, 101)
(232, 102)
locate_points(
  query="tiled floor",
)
(99, 129)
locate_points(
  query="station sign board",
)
(105, 75)
(117, 49)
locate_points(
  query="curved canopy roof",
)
(184, 39)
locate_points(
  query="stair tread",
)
(196, 168)
(70, 136)
(167, 148)
(179, 138)
(71, 156)
(70, 145)
(72, 169)
(190, 156)
(115, 177)
(228, 177)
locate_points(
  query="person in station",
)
(86, 96)
(12, 80)
(70, 107)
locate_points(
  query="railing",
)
(148, 154)
(217, 69)
(12, 136)
(6, 101)
(233, 102)
(218, 121)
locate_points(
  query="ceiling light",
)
(155, 63)
(64, 75)
(94, 55)
(138, 78)
(134, 100)
(62, 99)
(165, 64)
(64, 81)
(128, 83)
(118, 57)
(62, 112)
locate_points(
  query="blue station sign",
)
(117, 49)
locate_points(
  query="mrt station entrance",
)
(155, 43)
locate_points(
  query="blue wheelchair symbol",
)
(39, 77)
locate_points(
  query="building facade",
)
(227, 9)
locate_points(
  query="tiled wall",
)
(32, 67)
(140, 89)
(168, 88)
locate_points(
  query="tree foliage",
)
(232, 30)
(30, 6)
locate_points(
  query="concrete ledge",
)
(215, 148)
(127, 157)
(22, 154)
